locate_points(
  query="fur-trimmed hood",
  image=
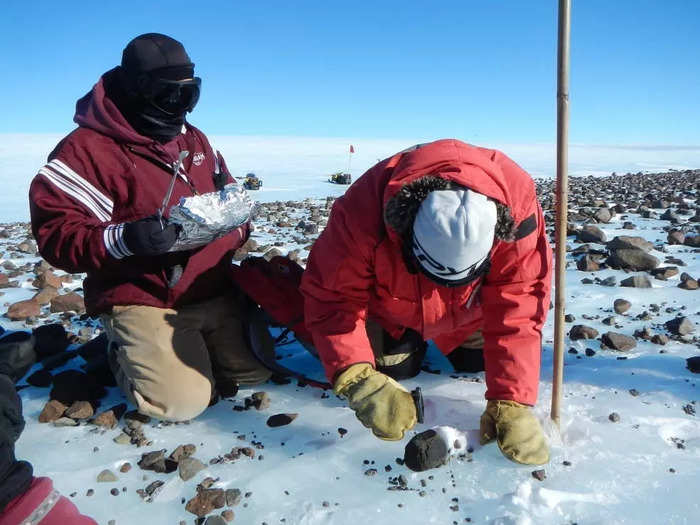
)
(441, 165)
(401, 209)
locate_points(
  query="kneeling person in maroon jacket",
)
(172, 318)
(444, 242)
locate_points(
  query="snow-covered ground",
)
(293, 168)
(643, 469)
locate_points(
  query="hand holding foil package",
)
(205, 218)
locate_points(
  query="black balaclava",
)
(148, 60)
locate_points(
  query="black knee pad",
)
(467, 360)
(402, 359)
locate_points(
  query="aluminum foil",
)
(205, 218)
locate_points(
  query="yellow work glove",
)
(379, 402)
(516, 430)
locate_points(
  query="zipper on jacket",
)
(165, 166)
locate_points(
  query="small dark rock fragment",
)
(539, 474)
(614, 417)
(279, 420)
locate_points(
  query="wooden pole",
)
(562, 201)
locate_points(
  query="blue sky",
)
(482, 71)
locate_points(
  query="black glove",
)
(17, 354)
(148, 237)
(15, 476)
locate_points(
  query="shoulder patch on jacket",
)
(526, 227)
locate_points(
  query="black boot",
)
(467, 360)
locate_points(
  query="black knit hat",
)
(154, 52)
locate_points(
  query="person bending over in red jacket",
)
(444, 241)
(172, 319)
(24, 498)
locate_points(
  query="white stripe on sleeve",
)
(76, 192)
(66, 171)
(114, 241)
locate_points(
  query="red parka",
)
(105, 174)
(356, 270)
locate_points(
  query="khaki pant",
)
(168, 361)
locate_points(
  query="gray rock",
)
(215, 520)
(603, 215)
(233, 497)
(637, 281)
(632, 259)
(65, 422)
(587, 263)
(680, 326)
(591, 233)
(675, 237)
(107, 476)
(122, 439)
(619, 342)
(581, 331)
(622, 242)
(693, 241)
(665, 272)
(621, 306)
(189, 467)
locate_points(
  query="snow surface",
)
(293, 168)
(632, 471)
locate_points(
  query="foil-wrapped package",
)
(205, 218)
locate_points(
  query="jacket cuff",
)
(114, 241)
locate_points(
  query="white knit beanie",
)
(453, 234)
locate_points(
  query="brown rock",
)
(581, 331)
(45, 295)
(110, 418)
(46, 279)
(206, 501)
(183, 451)
(80, 410)
(619, 342)
(70, 302)
(53, 410)
(228, 515)
(23, 309)
(689, 284)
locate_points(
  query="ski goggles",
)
(175, 97)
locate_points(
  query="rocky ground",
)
(44, 307)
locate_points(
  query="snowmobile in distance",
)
(252, 182)
(340, 178)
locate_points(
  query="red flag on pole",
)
(352, 150)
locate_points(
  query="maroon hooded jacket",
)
(105, 174)
(356, 270)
